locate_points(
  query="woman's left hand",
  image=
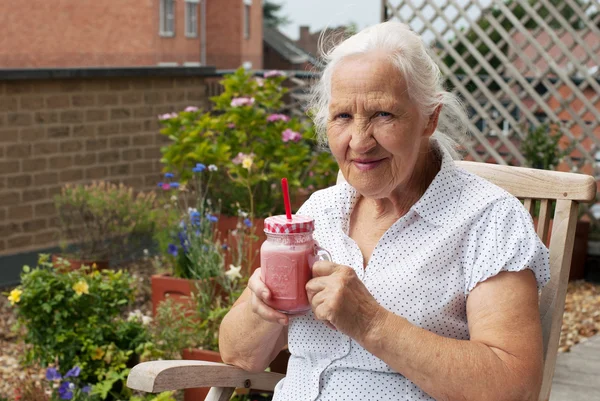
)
(339, 298)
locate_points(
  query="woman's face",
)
(375, 131)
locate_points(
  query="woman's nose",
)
(362, 140)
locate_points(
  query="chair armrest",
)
(157, 376)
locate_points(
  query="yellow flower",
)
(94, 266)
(81, 287)
(98, 354)
(15, 296)
(247, 163)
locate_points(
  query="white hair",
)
(424, 80)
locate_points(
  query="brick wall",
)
(56, 131)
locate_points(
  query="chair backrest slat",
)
(547, 187)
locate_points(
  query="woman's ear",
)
(433, 120)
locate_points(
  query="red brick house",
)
(102, 33)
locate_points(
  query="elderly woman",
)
(433, 288)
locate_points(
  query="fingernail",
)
(283, 322)
(265, 294)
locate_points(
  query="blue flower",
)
(87, 389)
(65, 391)
(247, 222)
(212, 218)
(224, 246)
(183, 241)
(73, 372)
(172, 249)
(160, 184)
(199, 168)
(52, 374)
(174, 185)
(169, 175)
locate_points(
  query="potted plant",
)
(75, 322)
(542, 149)
(101, 221)
(247, 133)
(194, 248)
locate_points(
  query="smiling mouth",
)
(365, 165)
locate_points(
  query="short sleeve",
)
(504, 239)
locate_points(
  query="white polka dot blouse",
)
(461, 232)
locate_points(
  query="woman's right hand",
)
(260, 297)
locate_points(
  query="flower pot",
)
(75, 264)
(580, 247)
(229, 223)
(178, 289)
(196, 354)
(279, 365)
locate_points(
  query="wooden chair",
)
(566, 190)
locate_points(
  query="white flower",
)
(146, 320)
(173, 198)
(234, 272)
(212, 167)
(192, 210)
(146, 253)
(241, 213)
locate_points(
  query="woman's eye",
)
(343, 115)
(383, 114)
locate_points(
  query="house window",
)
(191, 18)
(247, 20)
(167, 17)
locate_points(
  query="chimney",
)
(304, 34)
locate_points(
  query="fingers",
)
(324, 268)
(260, 297)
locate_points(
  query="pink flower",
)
(273, 73)
(311, 174)
(260, 81)
(278, 117)
(167, 116)
(166, 186)
(242, 101)
(289, 135)
(191, 109)
(239, 158)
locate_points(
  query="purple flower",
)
(242, 101)
(212, 218)
(52, 374)
(174, 185)
(169, 175)
(199, 168)
(231, 125)
(289, 135)
(167, 116)
(248, 222)
(278, 117)
(65, 391)
(224, 246)
(73, 372)
(172, 249)
(191, 109)
(87, 389)
(273, 73)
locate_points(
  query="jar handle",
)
(321, 254)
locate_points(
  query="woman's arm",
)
(252, 334)
(501, 361)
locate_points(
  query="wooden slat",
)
(529, 205)
(220, 394)
(544, 220)
(158, 376)
(525, 182)
(552, 300)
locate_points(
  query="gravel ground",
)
(581, 320)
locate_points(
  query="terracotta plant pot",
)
(178, 289)
(279, 365)
(75, 264)
(577, 271)
(195, 354)
(229, 223)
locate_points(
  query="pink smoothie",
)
(285, 270)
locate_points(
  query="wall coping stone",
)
(103, 72)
